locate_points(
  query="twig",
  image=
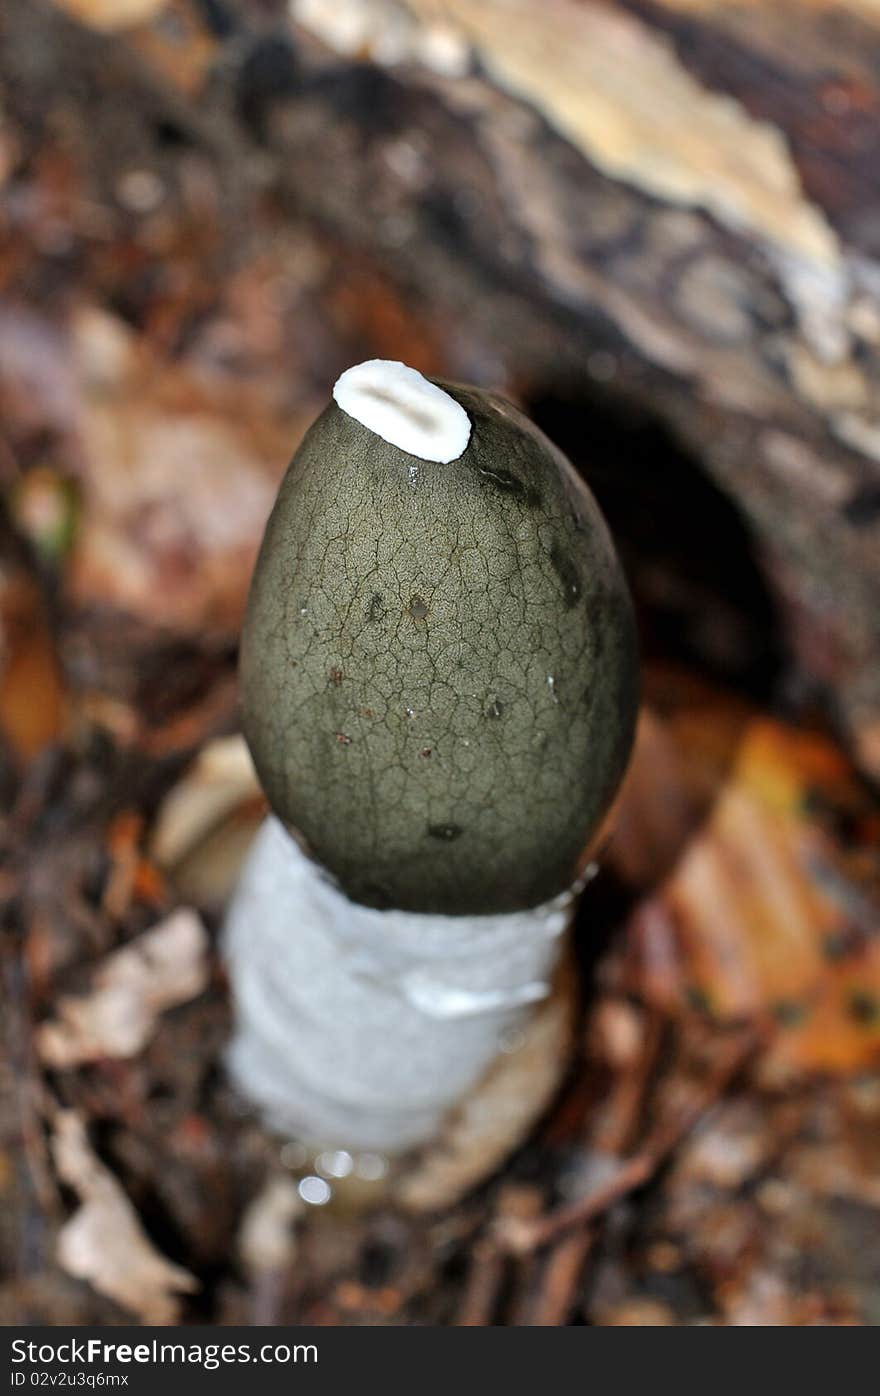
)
(522, 1236)
(483, 1285)
(554, 1302)
(549, 1299)
(627, 1103)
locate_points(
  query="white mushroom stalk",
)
(359, 1028)
(439, 687)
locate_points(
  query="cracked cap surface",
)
(439, 667)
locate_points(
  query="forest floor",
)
(714, 1154)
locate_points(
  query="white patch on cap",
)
(402, 407)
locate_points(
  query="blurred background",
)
(655, 224)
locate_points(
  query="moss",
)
(474, 610)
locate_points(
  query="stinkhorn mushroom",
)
(439, 687)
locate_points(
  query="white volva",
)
(402, 407)
(362, 1028)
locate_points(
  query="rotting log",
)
(669, 206)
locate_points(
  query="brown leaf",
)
(31, 695)
(266, 1240)
(221, 779)
(160, 969)
(104, 1242)
(207, 822)
(177, 487)
(766, 914)
(110, 15)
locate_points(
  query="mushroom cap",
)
(439, 664)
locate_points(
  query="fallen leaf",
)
(639, 1313)
(181, 49)
(764, 910)
(220, 780)
(37, 379)
(207, 823)
(266, 1241)
(160, 969)
(104, 1243)
(31, 695)
(123, 848)
(177, 484)
(728, 1147)
(110, 15)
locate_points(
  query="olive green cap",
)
(439, 664)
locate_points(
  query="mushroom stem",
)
(363, 1028)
